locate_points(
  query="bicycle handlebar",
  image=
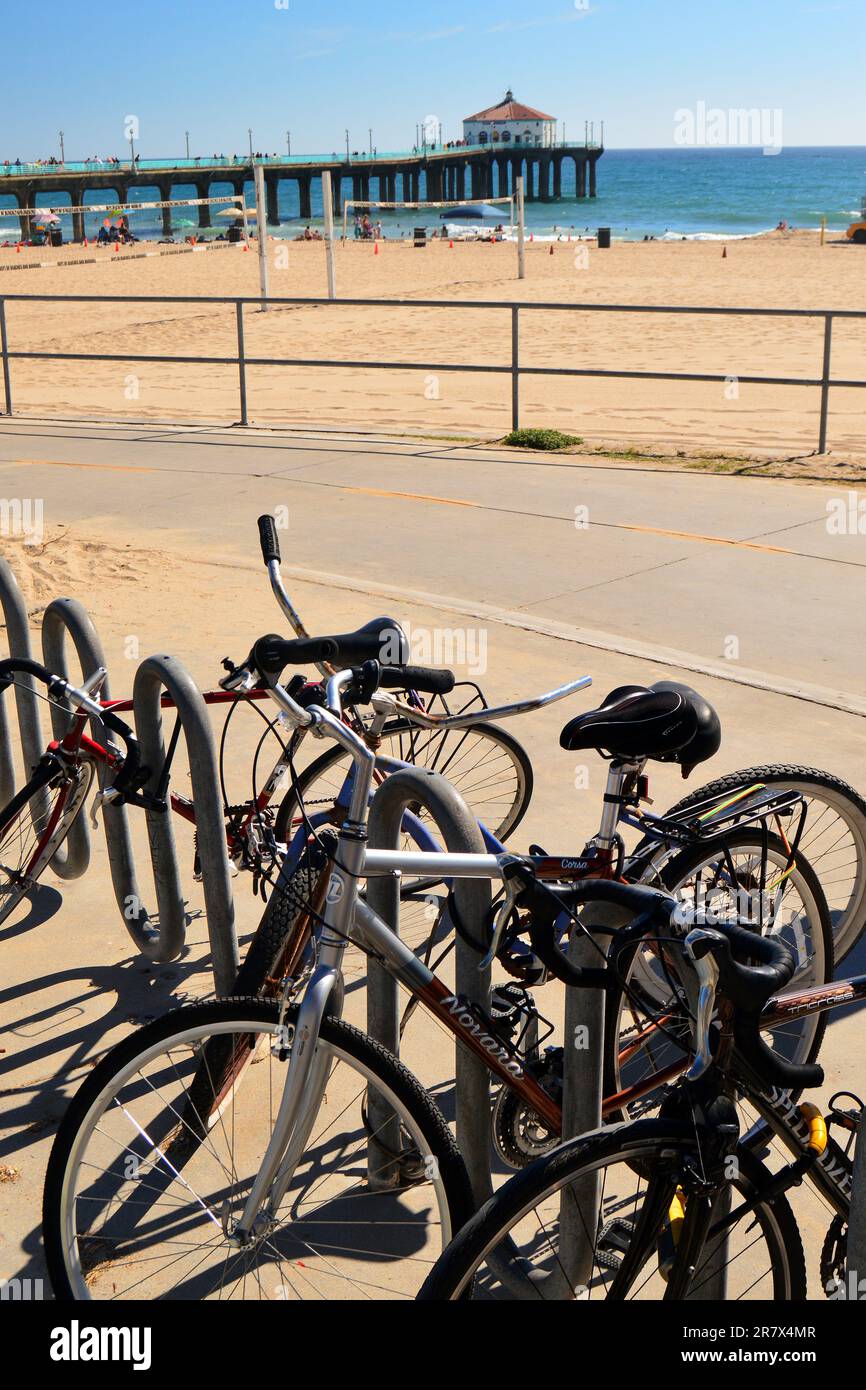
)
(61, 689)
(749, 987)
(269, 539)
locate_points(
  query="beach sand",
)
(775, 271)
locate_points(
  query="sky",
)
(221, 67)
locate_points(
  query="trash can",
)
(235, 234)
(604, 238)
(56, 235)
(420, 236)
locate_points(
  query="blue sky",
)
(219, 67)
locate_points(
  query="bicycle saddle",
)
(667, 721)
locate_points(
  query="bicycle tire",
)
(848, 915)
(675, 872)
(396, 729)
(94, 1100)
(455, 1274)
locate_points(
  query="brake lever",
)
(508, 905)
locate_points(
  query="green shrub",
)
(541, 439)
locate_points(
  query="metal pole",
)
(461, 833)
(250, 134)
(825, 383)
(521, 229)
(515, 367)
(186, 133)
(289, 143)
(348, 156)
(154, 675)
(4, 348)
(328, 197)
(62, 150)
(262, 217)
(242, 366)
(856, 1262)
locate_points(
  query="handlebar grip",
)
(269, 539)
(423, 679)
(25, 666)
(271, 654)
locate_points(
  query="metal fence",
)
(514, 369)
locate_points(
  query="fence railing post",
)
(4, 349)
(825, 383)
(242, 365)
(515, 367)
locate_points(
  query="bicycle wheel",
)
(133, 1211)
(637, 1171)
(834, 837)
(647, 1024)
(34, 825)
(486, 765)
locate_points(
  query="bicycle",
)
(237, 1135)
(676, 1207)
(712, 848)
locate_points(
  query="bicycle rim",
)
(139, 1216)
(596, 1189)
(40, 822)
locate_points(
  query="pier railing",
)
(279, 161)
(514, 369)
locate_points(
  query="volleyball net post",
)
(328, 206)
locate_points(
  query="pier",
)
(445, 173)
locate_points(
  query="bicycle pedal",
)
(613, 1242)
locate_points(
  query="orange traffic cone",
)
(724, 253)
(376, 248)
(85, 242)
(117, 248)
(551, 250)
(451, 246)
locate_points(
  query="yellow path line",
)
(429, 497)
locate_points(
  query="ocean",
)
(699, 194)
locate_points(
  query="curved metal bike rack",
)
(68, 619)
(856, 1261)
(460, 832)
(154, 675)
(26, 702)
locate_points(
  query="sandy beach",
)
(775, 271)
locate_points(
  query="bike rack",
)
(856, 1261)
(154, 675)
(67, 618)
(26, 702)
(460, 832)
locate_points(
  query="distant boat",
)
(474, 213)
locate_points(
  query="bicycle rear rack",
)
(67, 618)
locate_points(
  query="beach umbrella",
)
(474, 213)
(236, 212)
(45, 217)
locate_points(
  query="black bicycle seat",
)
(635, 722)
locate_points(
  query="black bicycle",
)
(677, 1207)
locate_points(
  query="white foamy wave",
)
(713, 236)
